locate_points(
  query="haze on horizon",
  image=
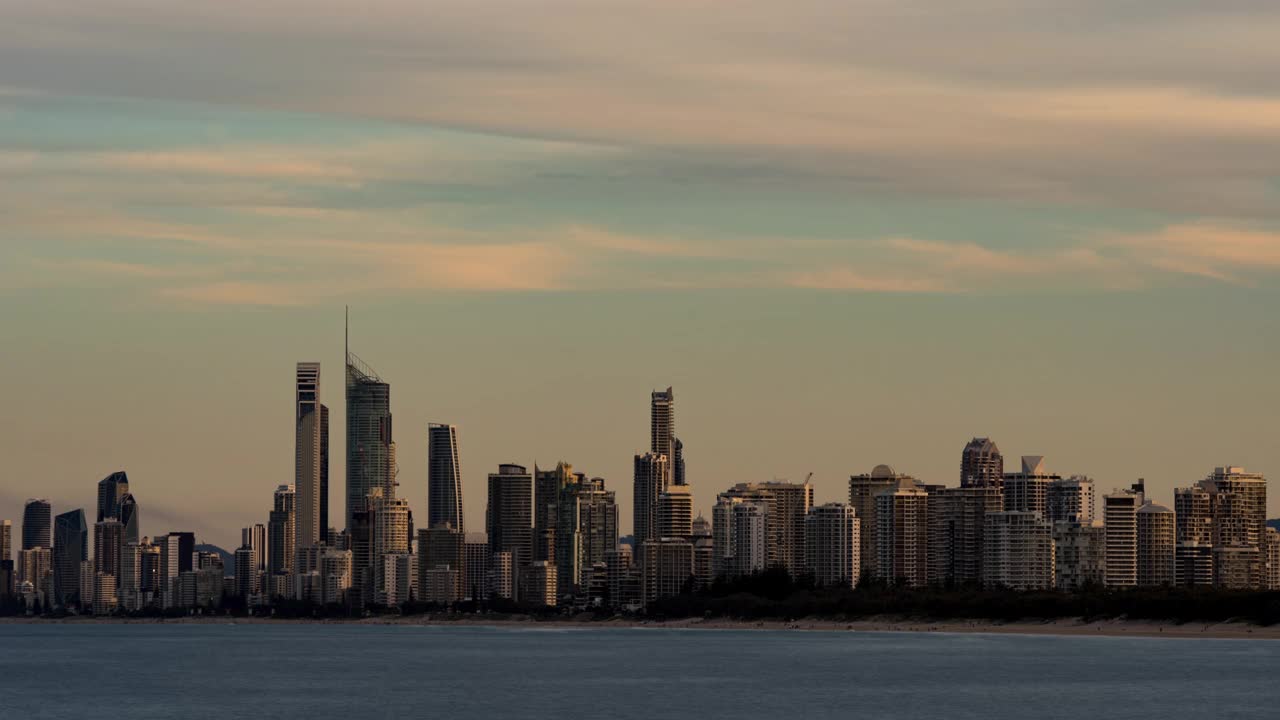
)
(847, 233)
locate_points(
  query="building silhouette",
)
(129, 519)
(370, 450)
(37, 524)
(509, 516)
(111, 490)
(444, 477)
(981, 464)
(70, 550)
(651, 473)
(307, 459)
(832, 545)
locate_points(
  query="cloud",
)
(1222, 252)
(1064, 101)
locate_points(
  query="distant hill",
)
(228, 559)
(1274, 523)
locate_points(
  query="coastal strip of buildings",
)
(551, 535)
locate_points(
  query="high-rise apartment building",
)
(476, 566)
(902, 536)
(667, 568)
(255, 538)
(281, 534)
(509, 516)
(1080, 552)
(787, 505)
(1028, 491)
(547, 485)
(675, 512)
(443, 547)
(108, 546)
(1157, 545)
(370, 451)
(957, 521)
(863, 490)
(1070, 500)
(1271, 545)
(651, 473)
(586, 529)
(391, 528)
(981, 464)
(6, 541)
(130, 519)
(832, 545)
(740, 528)
(537, 584)
(37, 524)
(662, 430)
(1120, 518)
(1018, 551)
(444, 477)
(70, 550)
(308, 440)
(111, 490)
(326, 532)
(1220, 529)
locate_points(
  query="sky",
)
(847, 232)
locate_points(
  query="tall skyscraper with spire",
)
(307, 455)
(370, 450)
(444, 477)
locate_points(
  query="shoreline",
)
(1064, 627)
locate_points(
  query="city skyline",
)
(369, 388)
(412, 483)
(880, 228)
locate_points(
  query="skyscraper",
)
(546, 497)
(1028, 491)
(108, 546)
(370, 450)
(832, 545)
(37, 525)
(651, 480)
(675, 513)
(1157, 543)
(254, 537)
(863, 490)
(678, 472)
(6, 540)
(902, 536)
(586, 530)
(509, 516)
(1120, 519)
(324, 475)
(70, 549)
(281, 533)
(308, 442)
(1070, 500)
(444, 477)
(111, 490)
(957, 524)
(981, 464)
(662, 428)
(1018, 551)
(129, 519)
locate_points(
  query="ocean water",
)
(357, 671)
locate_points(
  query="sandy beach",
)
(1073, 627)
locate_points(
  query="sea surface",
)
(358, 671)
